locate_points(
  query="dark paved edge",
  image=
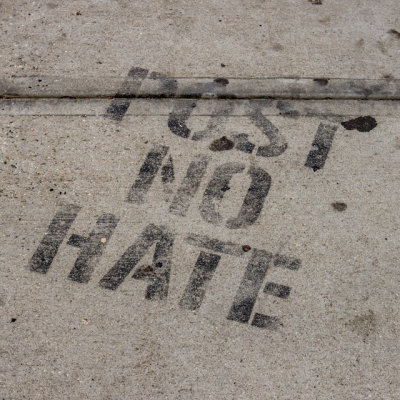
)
(334, 110)
(155, 86)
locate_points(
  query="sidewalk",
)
(199, 201)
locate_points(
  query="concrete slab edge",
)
(329, 109)
(155, 85)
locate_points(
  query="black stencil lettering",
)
(157, 274)
(252, 203)
(130, 88)
(178, 117)
(56, 232)
(147, 174)
(277, 142)
(188, 187)
(218, 117)
(132, 82)
(168, 85)
(242, 143)
(167, 172)
(277, 290)
(91, 247)
(216, 245)
(286, 262)
(117, 109)
(254, 200)
(265, 321)
(201, 274)
(214, 192)
(183, 109)
(250, 285)
(321, 144)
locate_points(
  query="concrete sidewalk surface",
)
(262, 237)
(199, 199)
(101, 40)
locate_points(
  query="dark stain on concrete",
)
(277, 47)
(362, 124)
(364, 324)
(145, 271)
(225, 188)
(222, 144)
(246, 248)
(339, 206)
(394, 33)
(221, 81)
(360, 43)
(325, 20)
(321, 81)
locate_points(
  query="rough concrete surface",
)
(350, 39)
(327, 235)
(199, 200)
